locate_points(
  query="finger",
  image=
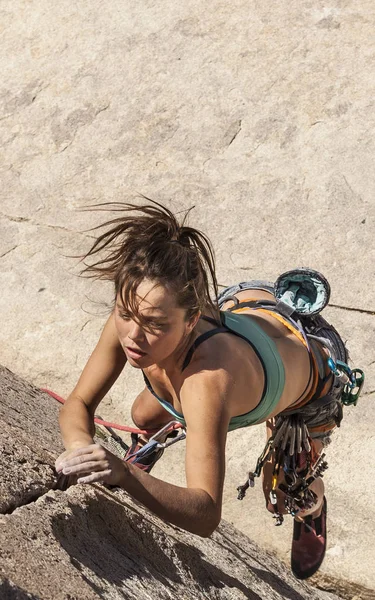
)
(83, 458)
(93, 477)
(86, 467)
(60, 459)
(83, 450)
(69, 466)
(68, 455)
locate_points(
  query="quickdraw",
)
(155, 442)
(291, 447)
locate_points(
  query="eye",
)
(124, 316)
(157, 326)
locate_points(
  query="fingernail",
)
(66, 470)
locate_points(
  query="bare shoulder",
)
(219, 358)
(206, 391)
(108, 348)
(226, 373)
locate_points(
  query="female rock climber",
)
(213, 370)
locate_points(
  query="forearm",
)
(191, 509)
(76, 424)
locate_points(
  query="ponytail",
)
(151, 244)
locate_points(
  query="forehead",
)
(154, 298)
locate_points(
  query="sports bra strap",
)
(205, 336)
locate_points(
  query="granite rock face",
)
(262, 118)
(87, 542)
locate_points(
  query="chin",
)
(141, 363)
(134, 364)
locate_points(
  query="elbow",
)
(207, 526)
(206, 531)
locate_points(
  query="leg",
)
(317, 486)
(310, 536)
(147, 413)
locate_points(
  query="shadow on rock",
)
(276, 583)
(9, 591)
(114, 543)
(117, 543)
(207, 575)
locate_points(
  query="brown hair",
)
(152, 244)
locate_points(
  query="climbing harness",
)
(300, 297)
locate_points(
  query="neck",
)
(175, 361)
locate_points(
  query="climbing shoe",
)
(309, 544)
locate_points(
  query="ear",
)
(193, 321)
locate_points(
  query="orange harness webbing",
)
(314, 364)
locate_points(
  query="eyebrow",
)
(147, 317)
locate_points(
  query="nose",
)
(135, 332)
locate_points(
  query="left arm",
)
(196, 508)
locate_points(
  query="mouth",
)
(134, 352)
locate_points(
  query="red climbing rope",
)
(113, 425)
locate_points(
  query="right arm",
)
(105, 364)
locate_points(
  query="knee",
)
(146, 413)
(140, 417)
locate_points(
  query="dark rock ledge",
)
(87, 542)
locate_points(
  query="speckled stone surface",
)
(262, 118)
(87, 542)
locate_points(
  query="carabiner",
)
(353, 389)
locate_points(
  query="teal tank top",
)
(246, 327)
